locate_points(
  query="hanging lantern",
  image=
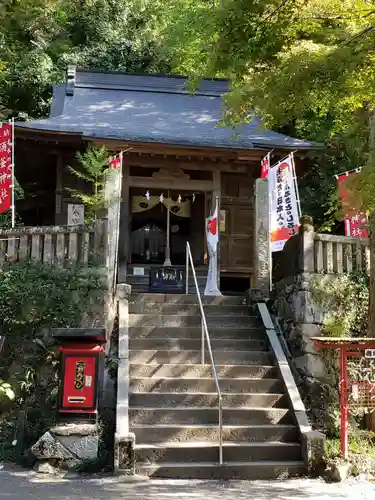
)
(179, 199)
(193, 197)
(161, 198)
(148, 195)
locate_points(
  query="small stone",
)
(339, 472)
(45, 468)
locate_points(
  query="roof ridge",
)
(152, 83)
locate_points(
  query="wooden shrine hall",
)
(177, 157)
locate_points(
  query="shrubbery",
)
(34, 298)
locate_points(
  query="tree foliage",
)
(309, 64)
(34, 298)
(305, 67)
(91, 169)
(39, 38)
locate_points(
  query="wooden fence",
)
(58, 245)
(312, 252)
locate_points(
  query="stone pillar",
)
(124, 440)
(124, 252)
(306, 251)
(262, 264)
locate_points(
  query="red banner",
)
(6, 145)
(355, 220)
(265, 167)
(116, 161)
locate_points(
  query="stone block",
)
(69, 444)
(311, 365)
(125, 453)
(73, 429)
(313, 450)
(84, 448)
(49, 448)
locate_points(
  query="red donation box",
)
(81, 370)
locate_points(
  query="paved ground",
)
(16, 484)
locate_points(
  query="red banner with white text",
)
(6, 146)
(355, 220)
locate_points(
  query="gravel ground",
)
(18, 484)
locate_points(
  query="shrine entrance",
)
(150, 222)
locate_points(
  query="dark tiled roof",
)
(151, 109)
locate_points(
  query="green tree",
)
(91, 169)
(304, 65)
(39, 38)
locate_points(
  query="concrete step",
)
(209, 452)
(188, 309)
(228, 385)
(143, 288)
(162, 298)
(178, 320)
(185, 399)
(160, 357)
(232, 470)
(157, 433)
(190, 370)
(201, 415)
(178, 344)
(194, 332)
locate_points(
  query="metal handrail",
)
(205, 338)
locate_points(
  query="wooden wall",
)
(236, 241)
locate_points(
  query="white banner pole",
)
(269, 232)
(218, 242)
(296, 185)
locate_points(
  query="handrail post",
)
(220, 430)
(206, 338)
(202, 341)
(187, 271)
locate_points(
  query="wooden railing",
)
(58, 245)
(311, 252)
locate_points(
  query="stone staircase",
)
(173, 407)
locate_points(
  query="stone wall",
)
(307, 257)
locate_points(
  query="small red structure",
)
(357, 377)
(81, 371)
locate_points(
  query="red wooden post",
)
(344, 427)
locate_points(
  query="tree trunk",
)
(370, 418)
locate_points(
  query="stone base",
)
(313, 451)
(255, 295)
(124, 454)
(68, 445)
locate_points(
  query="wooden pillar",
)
(59, 190)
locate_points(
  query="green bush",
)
(344, 299)
(34, 298)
